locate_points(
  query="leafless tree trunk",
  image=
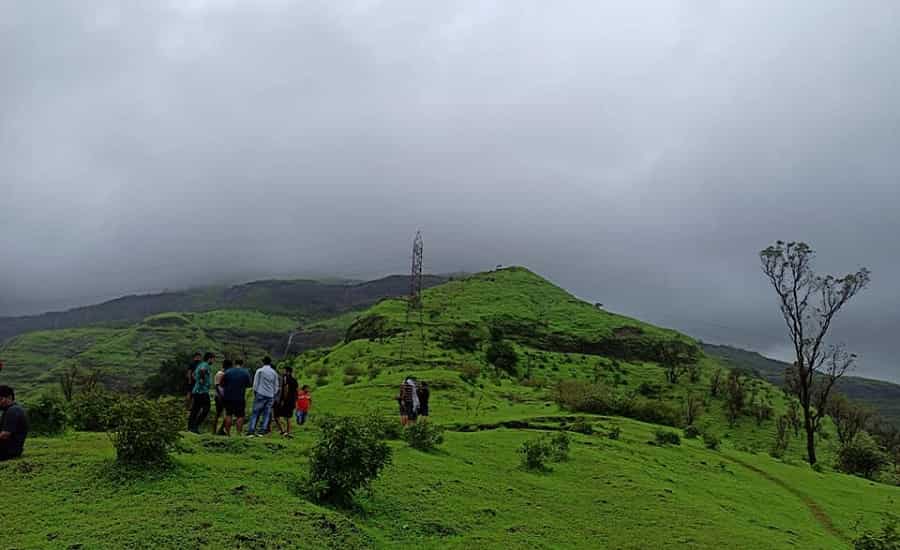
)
(809, 303)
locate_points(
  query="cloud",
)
(639, 155)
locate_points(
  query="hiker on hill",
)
(284, 405)
(234, 387)
(265, 388)
(219, 394)
(409, 401)
(13, 425)
(304, 400)
(200, 393)
(424, 395)
(189, 379)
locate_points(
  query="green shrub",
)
(862, 457)
(559, 447)
(469, 373)
(538, 451)
(354, 370)
(90, 411)
(464, 338)
(143, 431)
(665, 437)
(47, 415)
(653, 412)
(585, 397)
(582, 426)
(653, 391)
(349, 380)
(886, 539)
(614, 433)
(691, 432)
(711, 441)
(424, 436)
(348, 455)
(535, 453)
(388, 427)
(502, 355)
(322, 381)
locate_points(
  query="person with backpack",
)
(284, 405)
(265, 388)
(200, 393)
(13, 425)
(189, 379)
(409, 401)
(304, 401)
(219, 395)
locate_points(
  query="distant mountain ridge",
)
(302, 298)
(883, 396)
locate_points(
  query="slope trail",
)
(818, 513)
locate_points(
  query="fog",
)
(639, 155)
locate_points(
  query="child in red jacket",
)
(304, 400)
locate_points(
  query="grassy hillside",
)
(621, 494)
(128, 355)
(883, 397)
(303, 299)
(611, 493)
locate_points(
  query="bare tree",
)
(68, 380)
(809, 303)
(849, 418)
(693, 408)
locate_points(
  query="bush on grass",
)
(711, 441)
(349, 454)
(862, 457)
(90, 411)
(691, 432)
(614, 433)
(538, 451)
(582, 426)
(144, 431)
(665, 437)
(424, 436)
(888, 538)
(47, 415)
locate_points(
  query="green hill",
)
(303, 299)
(883, 397)
(612, 493)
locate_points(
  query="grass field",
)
(624, 493)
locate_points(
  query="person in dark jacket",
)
(424, 396)
(13, 425)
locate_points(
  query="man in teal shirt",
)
(200, 393)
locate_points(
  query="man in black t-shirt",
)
(13, 425)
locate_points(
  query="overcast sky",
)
(637, 153)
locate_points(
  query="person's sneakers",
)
(260, 435)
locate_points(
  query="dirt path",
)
(821, 517)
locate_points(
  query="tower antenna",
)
(414, 300)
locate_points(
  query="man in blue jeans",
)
(265, 388)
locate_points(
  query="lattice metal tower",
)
(414, 311)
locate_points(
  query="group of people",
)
(413, 399)
(277, 398)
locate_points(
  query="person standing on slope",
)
(219, 395)
(265, 388)
(13, 425)
(409, 401)
(284, 406)
(304, 400)
(189, 379)
(200, 393)
(234, 387)
(424, 395)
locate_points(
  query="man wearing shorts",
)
(235, 382)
